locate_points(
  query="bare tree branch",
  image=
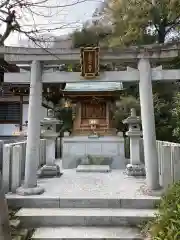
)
(14, 15)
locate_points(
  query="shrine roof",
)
(95, 86)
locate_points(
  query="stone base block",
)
(23, 191)
(49, 171)
(135, 170)
(93, 168)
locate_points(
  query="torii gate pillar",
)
(148, 124)
(33, 135)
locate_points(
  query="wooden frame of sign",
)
(90, 62)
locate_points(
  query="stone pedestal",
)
(135, 168)
(49, 132)
(48, 171)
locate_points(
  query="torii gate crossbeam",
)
(111, 76)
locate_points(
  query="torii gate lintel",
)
(110, 76)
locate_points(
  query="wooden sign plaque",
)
(90, 62)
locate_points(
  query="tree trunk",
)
(5, 231)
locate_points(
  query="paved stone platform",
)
(113, 185)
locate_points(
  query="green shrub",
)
(166, 225)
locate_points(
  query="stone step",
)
(60, 233)
(93, 168)
(53, 217)
(57, 202)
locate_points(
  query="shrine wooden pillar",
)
(107, 114)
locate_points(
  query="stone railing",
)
(13, 163)
(168, 161)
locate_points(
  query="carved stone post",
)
(148, 124)
(33, 134)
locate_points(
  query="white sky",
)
(77, 13)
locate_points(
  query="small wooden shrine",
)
(93, 100)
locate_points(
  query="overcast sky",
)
(77, 13)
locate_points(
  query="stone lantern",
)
(48, 132)
(135, 168)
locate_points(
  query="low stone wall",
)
(13, 163)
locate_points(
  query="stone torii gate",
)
(142, 56)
